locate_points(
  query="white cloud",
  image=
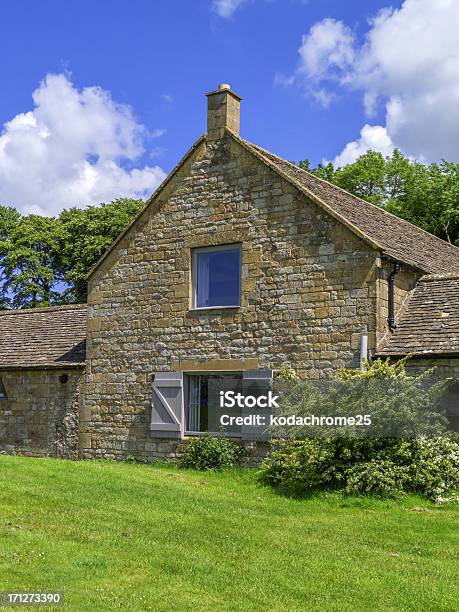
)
(70, 150)
(408, 63)
(374, 137)
(226, 8)
(329, 45)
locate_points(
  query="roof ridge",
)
(42, 309)
(348, 193)
(439, 277)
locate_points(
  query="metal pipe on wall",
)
(391, 296)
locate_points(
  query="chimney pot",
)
(223, 111)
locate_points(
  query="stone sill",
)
(214, 434)
(206, 308)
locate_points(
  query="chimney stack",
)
(223, 110)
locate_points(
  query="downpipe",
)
(391, 296)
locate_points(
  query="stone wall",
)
(41, 415)
(308, 292)
(444, 367)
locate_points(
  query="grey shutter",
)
(167, 405)
(256, 382)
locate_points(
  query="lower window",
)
(201, 399)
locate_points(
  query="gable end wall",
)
(308, 292)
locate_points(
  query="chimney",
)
(223, 110)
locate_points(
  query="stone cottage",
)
(239, 264)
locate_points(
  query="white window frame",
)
(194, 273)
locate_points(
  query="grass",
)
(132, 537)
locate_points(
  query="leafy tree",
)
(324, 172)
(431, 199)
(9, 218)
(85, 234)
(365, 177)
(45, 260)
(425, 195)
(29, 262)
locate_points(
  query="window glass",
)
(217, 276)
(201, 391)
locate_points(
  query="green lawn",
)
(132, 537)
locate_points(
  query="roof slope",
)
(394, 236)
(43, 337)
(430, 321)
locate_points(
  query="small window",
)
(3, 395)
(216, 276)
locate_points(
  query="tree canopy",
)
(45, 260)
(427, 195)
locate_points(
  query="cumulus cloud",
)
(226, 8)
(374, 137)
(407, 64)
(328, 47)
(74, 148)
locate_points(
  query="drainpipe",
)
(363, 351)
(391, 296)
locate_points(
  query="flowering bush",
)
(407, 450)
(383, 478)
(434, 467)
(385, 467)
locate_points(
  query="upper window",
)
(217, 276)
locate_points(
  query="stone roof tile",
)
(43, 337)
(395, 237)
(429, 323)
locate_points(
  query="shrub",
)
(287, 373)
(434, 466)
(383, 478)
(385, 467)
(406, 449)
(399, 405)
(211, 453)
(299, 467)
(380, 369)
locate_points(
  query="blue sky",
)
(130, 98)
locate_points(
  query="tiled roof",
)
(43, 337)
(429, 323)
(393, 236)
